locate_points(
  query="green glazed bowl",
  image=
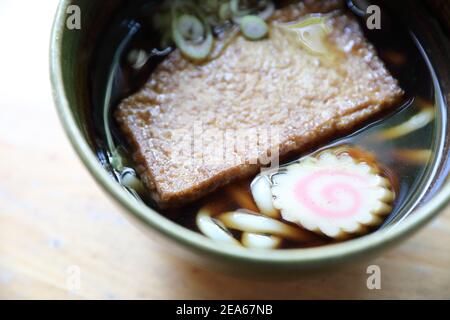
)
(70, 54)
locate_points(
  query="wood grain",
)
(54, 219)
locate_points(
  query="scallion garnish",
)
(253, 27)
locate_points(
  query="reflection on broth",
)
(361, 176)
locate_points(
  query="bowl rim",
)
(194, 241)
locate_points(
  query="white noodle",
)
(250, 222)
(263, 196)
(213, 228)
(260, 241)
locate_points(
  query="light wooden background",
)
(55, 221)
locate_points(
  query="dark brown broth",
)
(402, 56)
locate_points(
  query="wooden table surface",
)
(56, 223)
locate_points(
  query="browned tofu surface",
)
(194, 128)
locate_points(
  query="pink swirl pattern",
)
(345, 184)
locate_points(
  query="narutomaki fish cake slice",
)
(332, 194)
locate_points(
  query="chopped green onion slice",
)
(192, 36)
(191, 27)
(254, 27)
